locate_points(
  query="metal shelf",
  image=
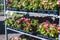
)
(36, 14)
(31, 14)
(26, 34)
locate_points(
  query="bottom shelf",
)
(30, 34)
(22, 37)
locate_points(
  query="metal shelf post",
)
(59, 23)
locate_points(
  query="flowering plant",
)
(51, 30)
(34, 25)
(25, 23)
(34, 4)
(43, 28)
(47, 4)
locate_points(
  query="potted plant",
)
(34, 25)
(24, 23)
(23, 5)
(48, 30)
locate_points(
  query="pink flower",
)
(16, 38)
(58, 2)
(26, 19)
(29, 24)
(58, 28)
(6, 17)
(46, 23)
(53, 25)
(22, 18)
(46, 28)
(17, 21)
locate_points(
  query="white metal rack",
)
(36, 14)
(30, 14)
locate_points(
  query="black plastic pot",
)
(23, 10)
(9, 8)
(22, 30)
(30, 10)
(52, 11)
(45, 36)
(10, 27)
(30, 32)
(51, 39)
(13, 9)
(39, 10)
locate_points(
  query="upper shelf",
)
(37, 11)
(35, 14)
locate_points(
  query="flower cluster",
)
(33, 25)
(33, 4)
(24, 22)
(49, 29)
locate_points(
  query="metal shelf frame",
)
(31, 14)
(35, 14)
(26, 34)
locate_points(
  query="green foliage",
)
(34, 4)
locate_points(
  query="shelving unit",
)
(30, 14)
